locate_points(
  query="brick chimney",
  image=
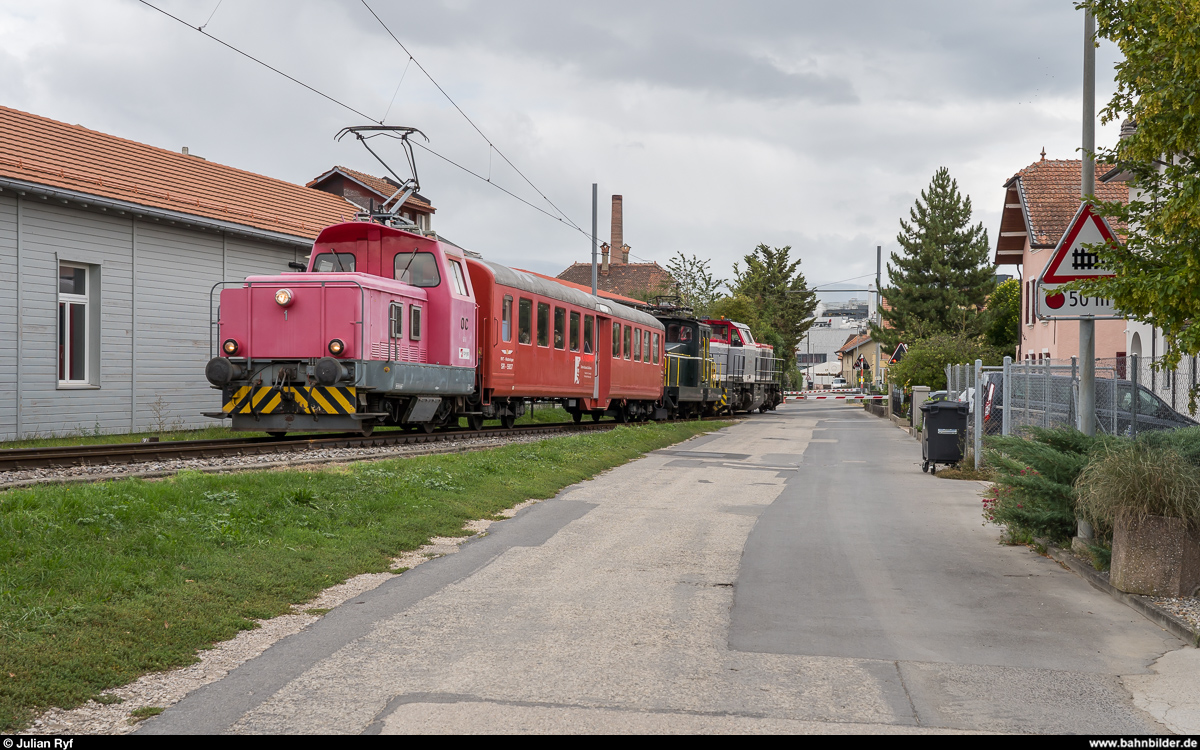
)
(604, 256)
(624, 253)
(617, 230)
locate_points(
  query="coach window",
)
(616, 340)
(656, 348)
(574, 332)
(72, 324)
(543, 324)
(331, 262)
(589, 330)
(628, 342)
(506, 318)
(646, 346)
(418, 269)
(414, 323)
(525, 321)
(560, 325)
(637, 344)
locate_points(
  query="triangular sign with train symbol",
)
(1072, 260)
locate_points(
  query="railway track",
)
(18, 459)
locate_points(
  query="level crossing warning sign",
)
(1074, 260)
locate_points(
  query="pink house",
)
(1039, 203)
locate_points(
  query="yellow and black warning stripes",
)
(266, 399)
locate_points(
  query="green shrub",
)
(1034, 480)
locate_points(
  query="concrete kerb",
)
(1165, 620)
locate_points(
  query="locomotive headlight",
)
(230, 347)
(284, 297)
(336, 347)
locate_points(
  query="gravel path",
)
(148, 469)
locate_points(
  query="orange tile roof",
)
(854, 342)
(71, 157)
(622, 278)
(1050, 192)
(599, 292)
(378, 184)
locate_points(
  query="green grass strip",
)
(541, 414)
(104, 582)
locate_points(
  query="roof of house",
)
(381, 185)
(854, 342)
(622, 278)
(599, 292)
(46, 152)
(1040, 201)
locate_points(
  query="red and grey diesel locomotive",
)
(391, 327)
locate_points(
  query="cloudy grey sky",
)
(809, 124)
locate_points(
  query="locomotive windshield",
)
(331, 262)
(418, 269)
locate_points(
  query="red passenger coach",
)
(541, 339)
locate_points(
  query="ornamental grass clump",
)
(1134, 480)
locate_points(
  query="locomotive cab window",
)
(417, 269)
(414, 323)
(334, 263)
(525, 321)
(396, 320)
(506, 319)
(460, 284)
(589, 332)
(543, 332)
(560, 323)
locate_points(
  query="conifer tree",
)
(943, 275)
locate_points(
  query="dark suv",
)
(1114, 405)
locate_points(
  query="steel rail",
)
(16, 459)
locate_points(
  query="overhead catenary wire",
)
(397, 91)
(843, 281)
(453, 103)
(476, 174)
(260, 62)
(210, 15)
(562, 219)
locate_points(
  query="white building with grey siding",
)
(109, 251)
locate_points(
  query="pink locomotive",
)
(391, 327)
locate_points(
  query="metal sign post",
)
(1087, 186)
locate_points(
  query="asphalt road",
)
(793, 573)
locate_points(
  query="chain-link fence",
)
(1133, 394)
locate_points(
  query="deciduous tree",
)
(698, 288)
(1157, 270)
(773, 282)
